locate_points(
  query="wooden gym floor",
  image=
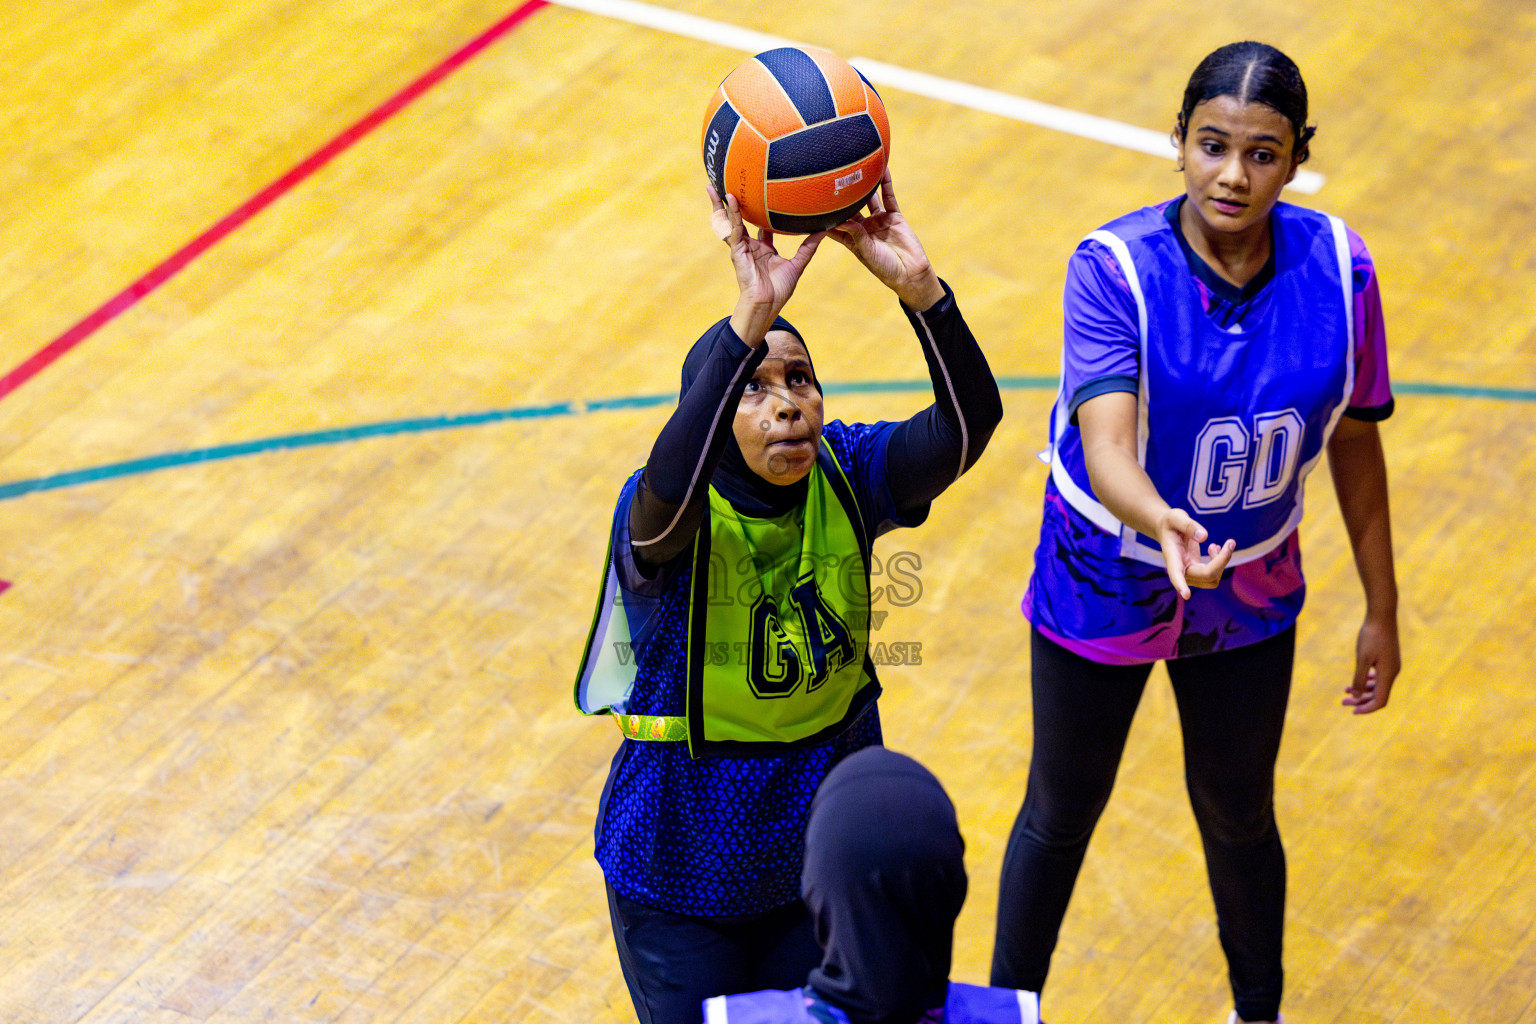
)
(301, 530)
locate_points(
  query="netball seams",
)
(929, 451)
(671, 496)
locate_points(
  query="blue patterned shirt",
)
(721, 836)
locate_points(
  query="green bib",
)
(778, 630)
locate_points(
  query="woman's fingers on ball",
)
(725, 228)
(733, 211)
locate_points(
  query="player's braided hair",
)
(1251, 73)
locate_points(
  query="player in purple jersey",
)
(701, 842)
(1215, 347)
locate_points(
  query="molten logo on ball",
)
(709, 162)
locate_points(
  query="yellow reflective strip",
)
(665, 728)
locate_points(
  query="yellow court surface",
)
(331, 330)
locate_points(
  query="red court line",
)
(129, 296)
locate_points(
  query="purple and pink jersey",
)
(1242, 396)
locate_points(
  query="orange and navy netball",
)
(800, 138)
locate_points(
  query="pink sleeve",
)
(1372, 398)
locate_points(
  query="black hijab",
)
(884, 880)
(747, 492)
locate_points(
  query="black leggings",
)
(672, 962)
(1231, 710)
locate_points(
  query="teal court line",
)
(429, 424)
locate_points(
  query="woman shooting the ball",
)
(738, 586)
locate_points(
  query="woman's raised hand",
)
(885, 243)
(1181, 537)
(766, 280)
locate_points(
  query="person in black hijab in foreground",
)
(731, 643)
(884, 880)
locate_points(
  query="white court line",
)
(681, 24)
(1017, 108)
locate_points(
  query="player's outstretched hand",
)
(1181, 538)
(886, 244)
(765, 279)
(1377, 662)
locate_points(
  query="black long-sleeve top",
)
(925, 453)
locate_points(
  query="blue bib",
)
(1229, 423)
